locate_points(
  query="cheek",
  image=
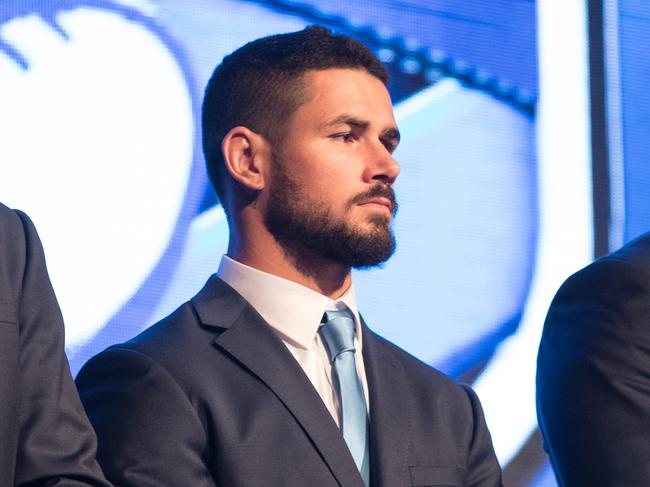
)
(328, 193)
(326, 173)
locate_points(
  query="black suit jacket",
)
(593, 375)
(45, 437)
(211, 396)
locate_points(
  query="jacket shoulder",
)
(633, 258)
(13, 225)
(623, 273)
(19, 243)
(635, 252)
(175, 334)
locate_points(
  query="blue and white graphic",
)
(99, 113)
(98, 127)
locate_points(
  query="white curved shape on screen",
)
(147, 7)
(507, 386)
(97, 144)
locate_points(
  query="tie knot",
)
(338, 332)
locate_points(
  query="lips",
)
(381, 195)
(383, 202)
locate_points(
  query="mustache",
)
(378, 191)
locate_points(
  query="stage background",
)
(99, 121)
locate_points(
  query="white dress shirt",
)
(295, 312)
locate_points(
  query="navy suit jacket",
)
(593, 376)
(45, 437)
(210, 396)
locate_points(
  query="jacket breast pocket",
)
(428, 476)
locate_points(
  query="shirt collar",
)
(292, 309)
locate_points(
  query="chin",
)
(380, 222)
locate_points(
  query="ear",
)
(246, 155)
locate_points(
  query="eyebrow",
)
(390, 133)
(347, 120)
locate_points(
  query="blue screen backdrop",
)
(99, 116)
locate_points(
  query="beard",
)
(306, 228)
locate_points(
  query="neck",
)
(263, 252)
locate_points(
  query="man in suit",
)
(593, 375)
(269, 376)
(45, 436)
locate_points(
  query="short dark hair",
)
(260, 86)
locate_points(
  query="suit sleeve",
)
(593, 377)
(483, 467)
(149, 433)
(56, 444)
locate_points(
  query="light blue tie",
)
(338, 335)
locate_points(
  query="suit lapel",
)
(390, 427)
(252, 342)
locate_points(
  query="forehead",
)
(331, 92)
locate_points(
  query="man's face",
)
(331, 185)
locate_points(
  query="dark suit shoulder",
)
(635, 252)
(185, 337)
(181, 326)
(14, 227)
(180, 348)
(59, 447)
(21, 252)
(609, 294)
(8, 217)
(24, 282)
(592, 367)
(630, 262)
(169, 341)
(622, 271)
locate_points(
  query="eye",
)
(344, 137)
(389, 144)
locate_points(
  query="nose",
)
(382, 166)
